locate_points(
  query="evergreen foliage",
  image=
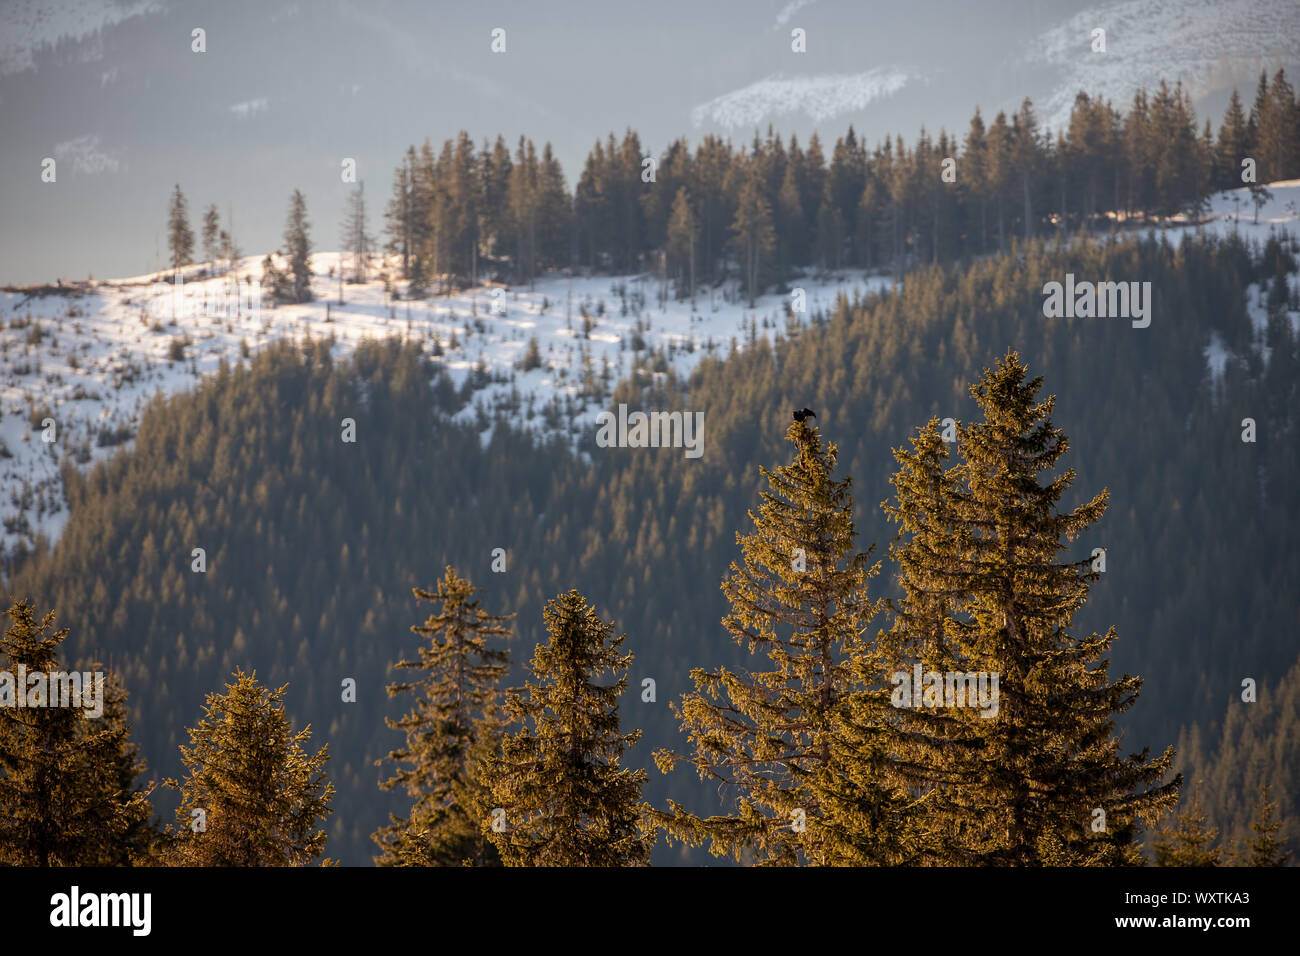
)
(180, 237)
(800, 745)
(986, 592)
(68, 793)
(1242, 756)
(356, 238)
(211, 234)
(1266, 849)
(764, 212)
(1186, 838)
(450, 729)
(253, 796)
(250, 466)
(559, 780)
(297, 249)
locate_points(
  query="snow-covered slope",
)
(1234, 211)
(1207, 44)
(88, 356)
(28, 26)
(819, 97)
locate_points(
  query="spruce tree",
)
(803, 746)
(1266, 849)
(987, 589)
(934, 741)
(356, 237)
(229, 249)
(524, 208)
(139, 838)
(829, 243)
(682, 236)
(252, 796)
(1186, 838)
(1278, 136)
(790, 216)
(465, 209)
(448, 730)
(533, 355)
(275, 282)
(1232, 146)
(211, 234)
(297, 249)
(399, 215)
(555, 213)
(67, 780)
(495, 167)
(180, 237)
(752, 234)
(560, 796)
(1258, 110)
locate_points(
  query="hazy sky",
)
(286, 90)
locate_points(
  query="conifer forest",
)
(464, 453)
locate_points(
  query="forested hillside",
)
(649, 259)
(764, 208)
(313, 543)
(1252, 747)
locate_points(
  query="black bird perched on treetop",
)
(801, 414)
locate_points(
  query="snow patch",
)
(91, 355)
(85, 156)
(1216, 357)
(26, 26)
(1205, 43)
(818, 97)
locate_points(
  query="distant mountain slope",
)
(313, 544)
(1209, 45)
(90, 355)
